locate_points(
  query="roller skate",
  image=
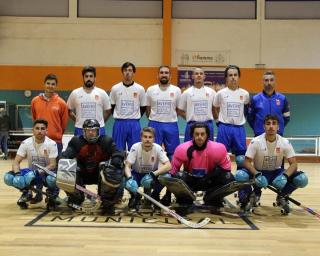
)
(134, 203)
(283, 203)
(24, 198)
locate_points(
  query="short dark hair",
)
(87, 69)
(269, 73)
(128, 64)
(51, 77)
(40, 121)
(164, 66)
(148, 129)
(231, 67)
(270, 117)
(199, 125)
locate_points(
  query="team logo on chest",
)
(135, 95)
(277, 150)
(241, 97)
(152, 159)
(96, 97)
(277, 102)
(171, 94)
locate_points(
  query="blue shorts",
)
(233, 137)
(167, 134)
(126, 132)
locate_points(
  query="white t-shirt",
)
(89, 105)
(231, 104)
(144, 162)
(268, 156)
(163, 103)
(197, 103)
(128, 100)
(38, 153)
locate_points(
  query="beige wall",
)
(110, 42)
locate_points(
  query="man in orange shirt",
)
(50, 106)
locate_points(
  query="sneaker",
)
(37, 198)
(2, 155)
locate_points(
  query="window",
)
(214, 9)
(275, 9)
(120, 9)
(35, 8)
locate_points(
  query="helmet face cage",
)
(89, 125)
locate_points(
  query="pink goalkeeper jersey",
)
(215, 154)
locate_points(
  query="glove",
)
(260, 180)
(280, 181)
(8, 178)
(147, 180)
(131, 185)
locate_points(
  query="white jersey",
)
(143, 161)
(38, 153)
(231, 104)
(268, 156)
(128, 100)
(89, 105)
(197, 103)
(163, 103)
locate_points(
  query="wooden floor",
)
(265, 232)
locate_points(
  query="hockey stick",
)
(175, 215)
(78, 187)
(307, 209)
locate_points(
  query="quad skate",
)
(283, 203)
(24, 198)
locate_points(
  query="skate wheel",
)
(284, 212)
(235, 195)
(259, 204)
(274, 204)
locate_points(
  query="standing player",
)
(230, 104)
(145, 162)
(50, 106)
(268, 102)
(37, 149)
(162, 101)
(89, 102)
(128, 104)
(196, 104)
(263, 161)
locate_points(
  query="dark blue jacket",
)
(262, 105)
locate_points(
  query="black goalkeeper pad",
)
(178, 187)
(228, 189)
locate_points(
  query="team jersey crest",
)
(135, 94)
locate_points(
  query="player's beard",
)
(164, 81)
(89, 84)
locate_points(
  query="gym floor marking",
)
(144, 219)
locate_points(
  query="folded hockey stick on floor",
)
(307, 209)
(78, 187)
(175, 215)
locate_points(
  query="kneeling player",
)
(263, 162)
(37, 149)
(207, 166)
(148, 160)
(90, 150)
